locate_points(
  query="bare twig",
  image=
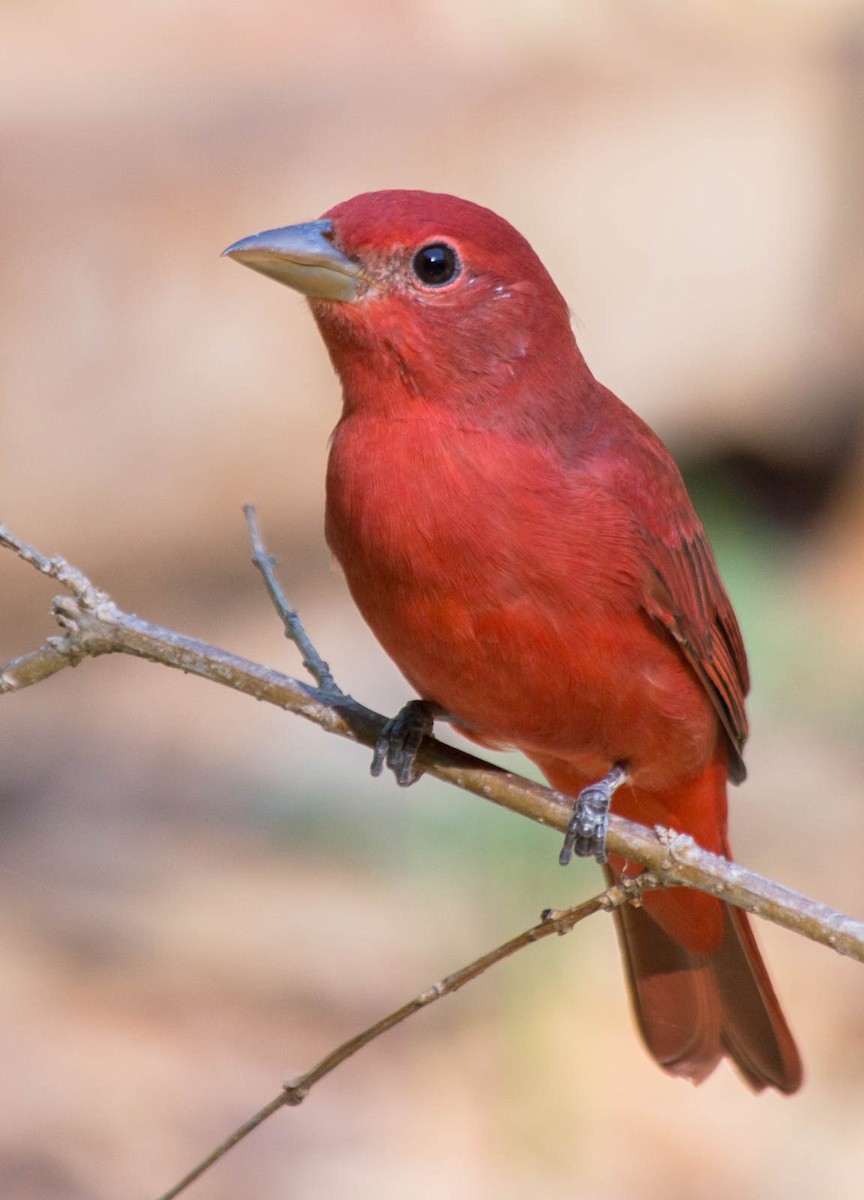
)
(295, 1091)
(230, 1142)
(294, 631)
(93, 625)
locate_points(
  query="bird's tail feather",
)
(695, 1009)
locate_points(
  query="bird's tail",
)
(699, 987)
(694, 1009)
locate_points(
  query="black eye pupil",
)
(436, 264)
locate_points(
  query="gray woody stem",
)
(93, 625)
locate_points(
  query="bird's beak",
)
(303, 257)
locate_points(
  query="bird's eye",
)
(436, 264)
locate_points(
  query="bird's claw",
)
(586, 831)
(400, 739)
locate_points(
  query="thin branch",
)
(295, 1091)
(93, 625)
(230, 1142)
(294, 631)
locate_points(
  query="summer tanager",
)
(524, 548)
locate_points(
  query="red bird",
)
(524, 548)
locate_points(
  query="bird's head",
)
(420, 291)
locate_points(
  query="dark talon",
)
(586, 832)
(400, 739)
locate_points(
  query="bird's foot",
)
(400, 740)
(586, 832)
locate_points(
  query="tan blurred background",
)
(201, 896)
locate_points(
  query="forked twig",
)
(92, 625)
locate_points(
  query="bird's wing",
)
(682, 587)
(685, 595)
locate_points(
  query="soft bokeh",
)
(201, 895)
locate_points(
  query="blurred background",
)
(200, 896)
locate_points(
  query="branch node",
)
(680, 843)
(434, 992)
(68, 647)
(67, 610)
(674, 843)
(295, 1093)
(560, 920)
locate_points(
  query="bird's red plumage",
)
(524, 548)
